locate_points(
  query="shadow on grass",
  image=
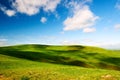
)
(112, 60)
(44, 57)
(108, 66)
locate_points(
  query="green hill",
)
(43, 62)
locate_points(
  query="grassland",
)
(42, 62)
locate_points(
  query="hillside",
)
(66, 62)
(84, 56)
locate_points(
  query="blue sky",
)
(56, 22)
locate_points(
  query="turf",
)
(43, 62)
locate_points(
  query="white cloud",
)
(117, 26)
(88, 30)
(82, 17)
(43, 20)
(31, 7)
(8, 12)
(51, 5)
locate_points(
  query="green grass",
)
(42, 62)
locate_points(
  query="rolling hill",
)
(45, 62)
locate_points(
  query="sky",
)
(60, 22)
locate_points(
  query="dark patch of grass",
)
(113, 60)
(108, 66)
(43, 57)
(25, 78)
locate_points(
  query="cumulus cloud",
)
(43, 20)
(31, 7)
(117, 26)
(8, 11)
(88, 30)
(82, 17)
(51, 5)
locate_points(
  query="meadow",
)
(45, 62)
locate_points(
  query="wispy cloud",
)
(111, 46)
(117, 26)
(117, 4)
(3, 42)
(88, 42)
(82, 16)
(69, 42)
(43, 19)
(89, 29)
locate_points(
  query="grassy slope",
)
(34, 61)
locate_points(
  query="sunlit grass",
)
(35, 62)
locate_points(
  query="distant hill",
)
(84, 56)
